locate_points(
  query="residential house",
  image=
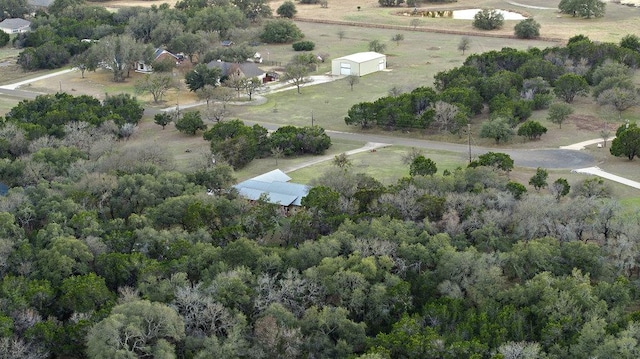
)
(244, 69)
(158, 55)
(275, 188)
(15, 26)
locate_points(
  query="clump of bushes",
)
(304, 45)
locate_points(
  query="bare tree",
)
(341, 34)
(415, 23)
(408, 157)
(618, 98)
(223, 95)
(236, 82)
(353, 80)
(464, 44)
(296, 74)
(397, 38)
(156, 84)
(215, 113)
(277, 153)
(445, 115)
(206, 93)
(17, 348)
(342, 161)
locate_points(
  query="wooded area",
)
(107, 253)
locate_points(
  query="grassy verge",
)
(263, 165)
(385, 164)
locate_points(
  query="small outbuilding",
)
(15, 26)
(360, 64)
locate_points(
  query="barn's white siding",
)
(360, 64)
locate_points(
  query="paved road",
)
(550, 158)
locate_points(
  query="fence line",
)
(420, 29)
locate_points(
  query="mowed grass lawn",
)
(393, 169)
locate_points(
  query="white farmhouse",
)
(360, 64)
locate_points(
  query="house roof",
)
(273, 176)
(14, 23)
(249, 69)
(158, 52)
(362, 56)
(275, 186)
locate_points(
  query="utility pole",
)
(469, 140)
(311, 118)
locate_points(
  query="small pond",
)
(466, 14)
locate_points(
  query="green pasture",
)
(7, 52)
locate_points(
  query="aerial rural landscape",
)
(319, 179)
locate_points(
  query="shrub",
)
(488, 20)
(190, 123)
(304, 46)
(287, 9)
(527, 29)
(4, 38)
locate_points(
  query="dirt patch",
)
(586, 122)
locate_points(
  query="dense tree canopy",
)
(583, 8)
(280, 31)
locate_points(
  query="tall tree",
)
(188, 43)
(619, 98)
(296, 74)
(14, 9)
(583, 8)
(155, 84)
(201, 76)
(254, 10)
(559, 112)
(119, 52)
(464, 44)
(498, 129)
(627, 142)
(136, 329)
(568, 86)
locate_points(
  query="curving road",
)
(550, 158)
